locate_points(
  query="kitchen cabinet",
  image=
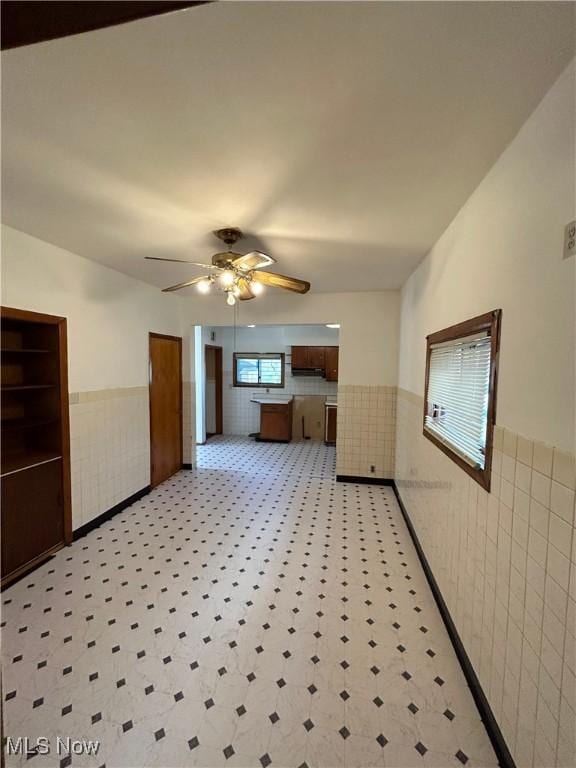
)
(331, 420)
(324, 360)
(300, 357)
(331, 358)
(308, 358)
(276, 422)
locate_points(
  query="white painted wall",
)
(504, 250)
(369, 325)
(109, 314)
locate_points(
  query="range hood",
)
(308, 372)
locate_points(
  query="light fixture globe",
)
(204, 286)
(227, 278)
(256, 287)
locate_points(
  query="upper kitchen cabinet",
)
(300, 358)
(315, 361)
(331, 358)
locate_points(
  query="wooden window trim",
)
(490, 322)
(258, 385)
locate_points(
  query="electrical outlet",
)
(570, 240)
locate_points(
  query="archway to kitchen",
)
(279, 399)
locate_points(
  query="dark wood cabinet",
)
(32, 522)
(331, 357)
(276, 422)
(299, 357)
(331, 421)
(316, 357)
(35, 467)
(322, 359)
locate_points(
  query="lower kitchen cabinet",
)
(331, 420)
(276, 422)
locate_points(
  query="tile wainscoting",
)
(110, 447)
(366, 431)
(505, 562)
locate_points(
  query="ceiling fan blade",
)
(194, 281)
(253, 260)
(281, 281)
(245, 292)
(182, 261)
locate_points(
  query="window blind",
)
(457, 401)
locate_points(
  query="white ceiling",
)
(339, 134)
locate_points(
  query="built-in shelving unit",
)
(35, 462)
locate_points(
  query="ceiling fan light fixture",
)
(230, 299)
(227, 278)
(204, 286)
(256, 287)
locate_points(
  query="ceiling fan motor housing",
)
(224, 259)
(229, 235)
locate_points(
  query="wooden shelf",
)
(25, 460)
(35, 463)
(25, 387)
(22, 351)
(27, 423)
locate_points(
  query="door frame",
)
(178, 340)
(218, 358)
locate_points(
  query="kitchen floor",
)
(253, 612)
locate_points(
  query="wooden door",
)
(165, 407)
(213, 389)
(331, 363)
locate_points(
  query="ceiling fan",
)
(239, 275)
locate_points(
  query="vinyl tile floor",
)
(252, 612)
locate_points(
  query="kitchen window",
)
(258, 369)
(460, 392)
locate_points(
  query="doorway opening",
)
(267, 396)
(213, 390)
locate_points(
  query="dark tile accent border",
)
(505, 759)
(364, 480)
(84, 529)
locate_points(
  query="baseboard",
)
(187, 466)
(84, 529)
(27, 568)
(499, 745)
(364, 480)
